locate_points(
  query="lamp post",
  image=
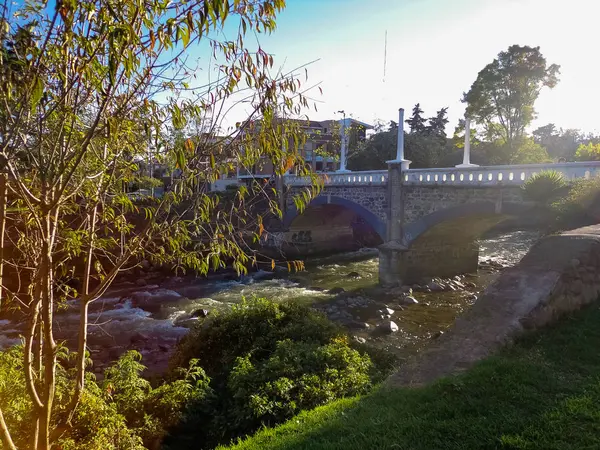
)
(400, 148)
(343, 145)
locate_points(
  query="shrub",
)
(588, 152)
(121, 413)
(582, 204)
(267, 361)
(545, 187)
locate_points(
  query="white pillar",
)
(467, 151)
(400, 148)
(343, 148)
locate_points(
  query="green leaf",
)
(36, 94)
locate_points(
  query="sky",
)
(435, 48)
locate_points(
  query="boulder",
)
(153, 300)
(336, 290)
(409, 300)
(201, 313)
(360, 325)
(389, 311)
(435, 287)
(354, 275)
(316, 289)
(138, 338)
(388, 327)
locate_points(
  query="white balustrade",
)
(498, 175)
(457, 176)
(367, 178)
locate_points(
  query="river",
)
(153, 314)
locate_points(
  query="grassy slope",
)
(542, 393)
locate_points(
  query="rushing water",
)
(119, 321)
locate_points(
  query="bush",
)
(545, 187)
(268, 361)
(121, 413)
(588, 152)
(582, 204)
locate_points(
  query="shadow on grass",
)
(542, 393)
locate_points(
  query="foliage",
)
(588, 152)
(562, 143)
(541, 393)
(503, 96)
(529, 152)
(373, 153)
(268, 361)
(122, 412)
(437, 124)
(545, 187)
(425, 147)
(416, 121)
(91, 91)
(581, 206)
(424, 150)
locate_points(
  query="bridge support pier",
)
(401, 266)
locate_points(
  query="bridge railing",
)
(494, 175)
(366, 178)
(466, 176)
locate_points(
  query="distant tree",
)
(529, 152)
(424, 150)
(372, 153)
(588, 152)
(560, 143)
(417, 122)
(544, 134)
(502, 97)
(437, 124)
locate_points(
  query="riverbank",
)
(543, 392)
(153, 312)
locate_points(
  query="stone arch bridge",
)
(426, 222)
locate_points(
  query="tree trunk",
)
(2, 231)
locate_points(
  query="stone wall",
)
(559, 274)
(373, 198)
(420, 201)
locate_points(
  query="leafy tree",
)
(558, 142)
(87, 90)
(424, 150)
(588, 152)
(530, 152)
(503, 96)
(417, 122)
(373, 153)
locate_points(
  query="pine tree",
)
(417, 122)
(437, 124)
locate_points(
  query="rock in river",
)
(354, 275)
(388, 327)
(409, 300)
(200, 313)
(336, 290)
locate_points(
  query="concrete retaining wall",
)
(559, 274)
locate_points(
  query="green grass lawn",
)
(542, 393)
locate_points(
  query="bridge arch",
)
(468, 220)
(374, 221)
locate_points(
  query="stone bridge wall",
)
(373, 198)
(420, 201)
